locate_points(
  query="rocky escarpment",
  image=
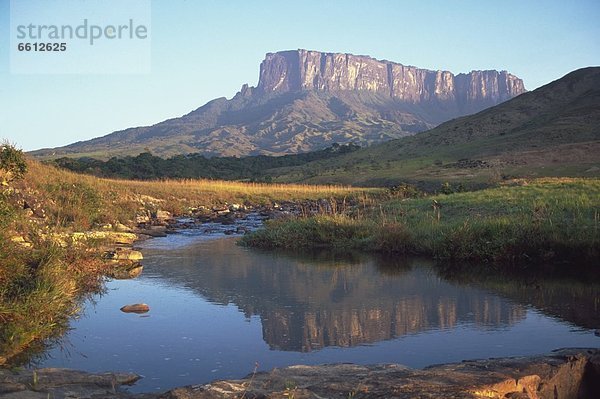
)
(289, 71)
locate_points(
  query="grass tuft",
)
(540, 220)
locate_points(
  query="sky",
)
(201, 50)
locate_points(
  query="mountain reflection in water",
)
(216, 309)
(306, 302)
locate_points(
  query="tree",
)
(12, 163)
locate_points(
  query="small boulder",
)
(140, 219)
(237, 207)
(162, 215)
(124, 254)
(153, 231)
(136, 308)
(122, 228)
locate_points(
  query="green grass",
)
(542, 220)
(390, 164)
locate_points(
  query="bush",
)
(12, 162)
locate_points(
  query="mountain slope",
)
(553, 130)
(308, 100)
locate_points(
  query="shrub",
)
(12, 162)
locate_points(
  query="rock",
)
(562, 374)
(84, 238)
(136, 308)
(237, 207)
(153, 231)
(122, 228)
(298, 70)
(7, 387)
(162, 215)
(141, 219)
(227, 219)
(21, 241)
(115, 237)
(62, 383)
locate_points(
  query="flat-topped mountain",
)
(289, 71)
(308, 100)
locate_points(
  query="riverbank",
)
(565, 374)
(522, 221)
(57, 227)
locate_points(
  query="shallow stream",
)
(218, 310)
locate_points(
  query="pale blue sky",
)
(207, 49)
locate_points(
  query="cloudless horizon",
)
(208, 49)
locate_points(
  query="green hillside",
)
(551, 131)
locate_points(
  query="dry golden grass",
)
(75, 200)
(48, 174)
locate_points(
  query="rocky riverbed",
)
(563, 374)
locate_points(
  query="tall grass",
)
(83, 200)
(543, 220)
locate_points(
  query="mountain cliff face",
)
(307, 100)
(289, 71)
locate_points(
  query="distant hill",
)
(551, 131)
(306, 101)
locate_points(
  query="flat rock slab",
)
(136, 308)
(564, 374)
(59, 383)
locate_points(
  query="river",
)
(218, 310)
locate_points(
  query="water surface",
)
(218, 310)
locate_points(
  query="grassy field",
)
(42, 283)
(428, 165)
(525, 221)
